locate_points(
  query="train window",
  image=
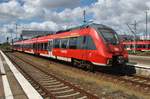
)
(42, 46)
(148, 45)
(73, 43)
(39, 46)
(24, 45)
(46, 44)
(80, 42)
(57, 43)
(27, 46)
(64, 43)
(90, 44)
(50, 45)
(30, 46)
(34, 46)
(109, 35)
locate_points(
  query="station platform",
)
(13, 85)
(141, 61)
(1, 87)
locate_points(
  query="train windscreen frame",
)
(109, 36)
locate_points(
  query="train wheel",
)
(90, 67)
(75, 63)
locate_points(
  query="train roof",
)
(83, 26)
(46, 37)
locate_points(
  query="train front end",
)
(110, 47)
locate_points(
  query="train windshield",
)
(109, 36)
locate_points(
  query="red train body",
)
(143, 45)
(93, 44)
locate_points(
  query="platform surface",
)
(143, 61)
(13, 85)
(1, 88)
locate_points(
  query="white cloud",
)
(10, 11)
(52, 3)
(115, 13)
(47, 25)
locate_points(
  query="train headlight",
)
(109, 61)
(120, 59)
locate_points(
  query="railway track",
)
(139, 83)
(48, 84)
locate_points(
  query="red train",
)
(83, 46)
(143, 45)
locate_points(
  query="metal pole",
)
(135, 24)
(84, 20)
(16, 30)
(146, 25)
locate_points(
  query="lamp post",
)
(146, 25)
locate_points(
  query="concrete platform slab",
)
(21, 84)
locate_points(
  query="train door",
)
(50, 48)
(88, 46)
(83, 45)
(36, 48)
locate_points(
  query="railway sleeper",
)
(52, 86)
(47, 78)
(48, 81)
(63, 91)
(59, 88)
(69, 95)
(52, 83)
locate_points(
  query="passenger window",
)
(56, 43)
(39, 46)
(64, 43)
(80, 42)
(73, 43)
(45, 46)
(90, 43)
(50, 45)
(34, 46)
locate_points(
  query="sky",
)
(54, 15)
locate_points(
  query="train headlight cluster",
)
(120, 59)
